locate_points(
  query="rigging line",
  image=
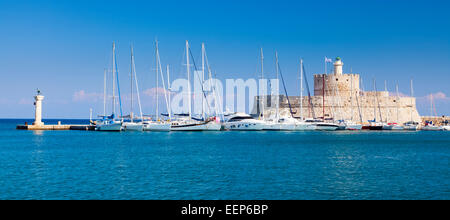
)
(118, 88)
(309, 93)
(285, 90)
(214, 89)
(378, 102)
(198, 77)
(162, 77)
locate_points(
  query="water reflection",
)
(38, 132)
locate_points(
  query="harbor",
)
(338, 103)
(233, 109)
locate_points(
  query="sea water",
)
(222, 165)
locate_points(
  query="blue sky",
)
(62, 47)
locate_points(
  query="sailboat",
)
(446, 126)
(373, 124)
(351, 124)
(429, 125)
(301, 124)
(278, 123)
(132, 125)
(111, 123)
(396, 126)
(158, 124)
(392, 125)
(411, 125)
(387, 125)
(186, 122)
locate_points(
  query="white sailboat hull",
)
(109, 127)
(196, 126)
(431, 128)
(397, 128)
(387, 127)
(326, 127)
(270, 126)
(305, 127)
(353, 127)
(410, 127)
(131, 126)
(157, 127)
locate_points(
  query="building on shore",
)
(338, 95)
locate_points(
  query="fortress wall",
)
(342, 98)
(342, 108)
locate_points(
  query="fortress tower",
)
(337, 83)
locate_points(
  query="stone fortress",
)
(339, 96)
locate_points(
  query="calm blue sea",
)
(222, 165)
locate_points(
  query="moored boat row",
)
(212, 120)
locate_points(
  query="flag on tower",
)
(328, 60)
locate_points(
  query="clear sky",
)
(62, 47)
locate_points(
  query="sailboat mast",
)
(301, 89)
(278, 95)
(263, 87)
(169, 91)
(412, 95)
(387, 110)
(131, 73)
(398, 97)
(431, 104)
(376, 100)
(323, 96)
(376, 97)
(104, 93)
(351, 97)
(189, 79)
(113, 79)
(157, 81)
(203, 80)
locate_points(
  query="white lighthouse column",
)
(338, 66)
(38, 113)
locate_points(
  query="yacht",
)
(304, 126)
(350, 125)
(191, 124)
(156, 126)
(411, 126)
(322, 125)
(159, 124)
(373, 125)
(133, 126)
(392, 126)
(430, 127)
(243, 122)
(109, 125)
